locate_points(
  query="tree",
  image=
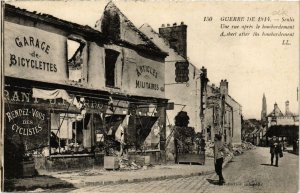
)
(182, 119)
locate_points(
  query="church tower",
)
(264, 110)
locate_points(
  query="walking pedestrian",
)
(275, 150)
(219, 152)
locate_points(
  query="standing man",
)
(275, 150)
(219, 152)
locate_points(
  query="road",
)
(249, 172)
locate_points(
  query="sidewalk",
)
(99, 176)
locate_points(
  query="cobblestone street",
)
(250, 172)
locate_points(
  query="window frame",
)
(83, 49)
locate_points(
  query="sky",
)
(253, 66)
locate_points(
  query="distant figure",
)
(219, 151)
(275, 150)
(202, 144)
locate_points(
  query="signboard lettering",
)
(36, 64)
(26, 121)
(148, 73)
(26, 97)
(30, 41)
(147, 85)
(30, 54)
(146, 69)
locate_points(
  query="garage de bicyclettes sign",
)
(34, 54)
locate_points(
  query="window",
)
(208, 132)
(111, 57)
(75, 60)
(70, 133)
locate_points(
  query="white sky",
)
(252, 66)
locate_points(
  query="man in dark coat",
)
(275, 150)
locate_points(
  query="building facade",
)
(222, 114)
(283, 125)
(71, 90)
(183, 95)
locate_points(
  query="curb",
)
(147, 179)
(121, 181)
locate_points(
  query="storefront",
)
(78, 96)
(60, 134)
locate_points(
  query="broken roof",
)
(86, 31)
(113, 19)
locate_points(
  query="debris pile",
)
(229, 149)
(134, 162)
(125, 164)
(239, 149)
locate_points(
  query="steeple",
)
(264, 109)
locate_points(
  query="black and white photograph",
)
(149, 96)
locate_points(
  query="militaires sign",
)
(149, 79)
(31, 53)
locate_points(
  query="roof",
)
(111, 10)
(86, 31)
(283, 130)
(162, 43)
(276, 112)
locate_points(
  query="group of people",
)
(275, 150)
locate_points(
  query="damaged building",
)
(73, 91)
(222, 114)
(185, 94)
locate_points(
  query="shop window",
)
(111, 57)
(143, 128)
(70, 133)
(75, 60)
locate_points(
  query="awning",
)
(283, 131)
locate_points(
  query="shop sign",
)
(26, 121)
(14, 96)
(148, 78)
(30, 54)
(26, 124)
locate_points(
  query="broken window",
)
(75, 59)
(111, 57)
(70, 133)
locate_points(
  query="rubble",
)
(132, 164)
(239, 149)
(230, 151)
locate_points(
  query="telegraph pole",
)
(203, 95)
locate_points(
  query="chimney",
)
(275, 106)
(287, 108)
(176, 36)
(224, 87)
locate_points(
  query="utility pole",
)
(203, 95)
